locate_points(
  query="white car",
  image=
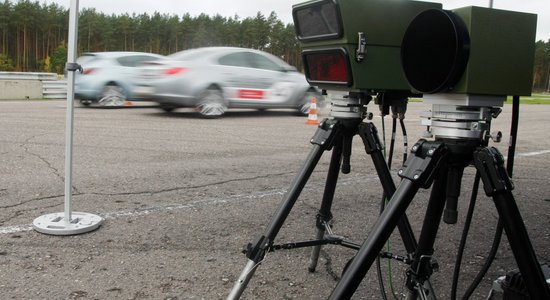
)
(214, 79)
(107, 77)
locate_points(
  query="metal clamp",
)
(73, 67)
(490, 163)
(361, 47)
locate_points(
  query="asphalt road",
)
(182, 195)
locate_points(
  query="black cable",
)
(379, 270)
(382, 206)
(500, 227)
(405, 142)
(488, 262)
(513, 136)
(389, 162)
(392, 141)
(464, 237)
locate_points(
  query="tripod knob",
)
(496, 136)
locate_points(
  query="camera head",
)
(398, 45)
(470, 50)
(464, 61)
(354, 45)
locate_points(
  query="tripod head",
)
(463, 123)
(351, 105)
(346, 105)
(462, 117)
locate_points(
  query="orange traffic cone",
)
(312, 116)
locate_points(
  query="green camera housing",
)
(502, 52)
(382, 24)
(482, 51)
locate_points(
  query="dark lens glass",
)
(327, 67)
(435, 51)
(317, 21)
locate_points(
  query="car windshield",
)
(190, 54)
(250, 60)
(86, 58)
(135, 60)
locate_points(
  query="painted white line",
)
(528, 154)
(212, 201)
(192, 204)
(15, 229)
(534, 153)
(159, 209)
(198, 203)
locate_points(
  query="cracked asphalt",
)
(182, 195)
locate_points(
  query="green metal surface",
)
(502, 47)
(384, 23)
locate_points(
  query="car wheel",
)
(167, 108)
(211, 103)
(112, 95)
(86, 103)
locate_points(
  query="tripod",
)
(332, 134)
(441, 162)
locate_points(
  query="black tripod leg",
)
(498, 185)
(325, 215)
(322, 140)
(256, 252)
(373, 147)
(418, 172)
(422, 266)
(377, 237)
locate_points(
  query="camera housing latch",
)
(361, 47)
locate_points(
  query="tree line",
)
(541, 74)
(34, 36)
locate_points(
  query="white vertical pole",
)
(69, 222)
(71, 58)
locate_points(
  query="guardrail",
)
(32, 85)
(54, 89)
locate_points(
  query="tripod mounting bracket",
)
(371, 140)
(350, 106)
(324, 137)
(495, 178)
(323, 220)
(256, 251)
(72, 67)
(425, 157)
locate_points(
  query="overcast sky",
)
(283, 8)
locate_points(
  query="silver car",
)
(214, 79)
(107, 77)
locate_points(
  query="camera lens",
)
(434, 51)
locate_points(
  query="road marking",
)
(211, 201)
(163, 208)
(534, 153)
(528, 154)
(15, 229)
(197, 203)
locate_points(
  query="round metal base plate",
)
(55, 224)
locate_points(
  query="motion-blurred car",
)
(107, 76)
(214, 79)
